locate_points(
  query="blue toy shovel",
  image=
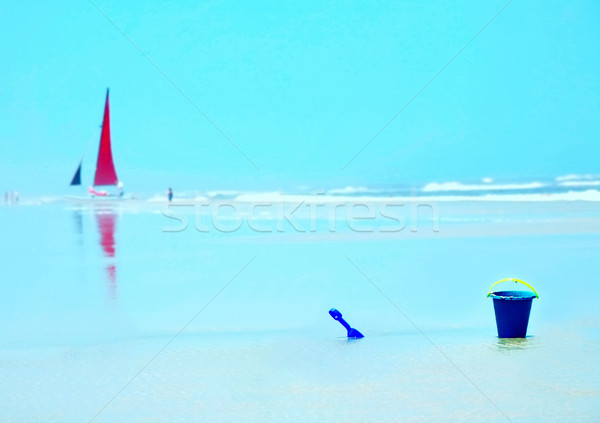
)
(352, 333)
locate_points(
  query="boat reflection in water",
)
(107, 223)
(78, 221)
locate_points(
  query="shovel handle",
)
(513, 280)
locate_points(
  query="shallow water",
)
(106, 317)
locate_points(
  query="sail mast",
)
(105, 168)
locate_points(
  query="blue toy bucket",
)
(512, 310)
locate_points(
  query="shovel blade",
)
(353, 333)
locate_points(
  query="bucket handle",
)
(514, 280)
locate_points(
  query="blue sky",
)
(300, 87)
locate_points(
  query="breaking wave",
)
(457, 186)
(563, 188)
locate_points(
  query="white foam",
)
(349, 190)
(589, 195)
(223, 193)
(278, 197)
(575, 177)
(157, 199)
(265, 197)
(457, 186)
(580, 184)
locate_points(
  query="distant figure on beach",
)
(11, 197)
(120, 187)
(170, 194)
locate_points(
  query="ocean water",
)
(135, 312)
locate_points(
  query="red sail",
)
(105, 168)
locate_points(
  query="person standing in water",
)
(170, 194)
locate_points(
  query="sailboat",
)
(105, 174)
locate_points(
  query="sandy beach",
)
(107, 317)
